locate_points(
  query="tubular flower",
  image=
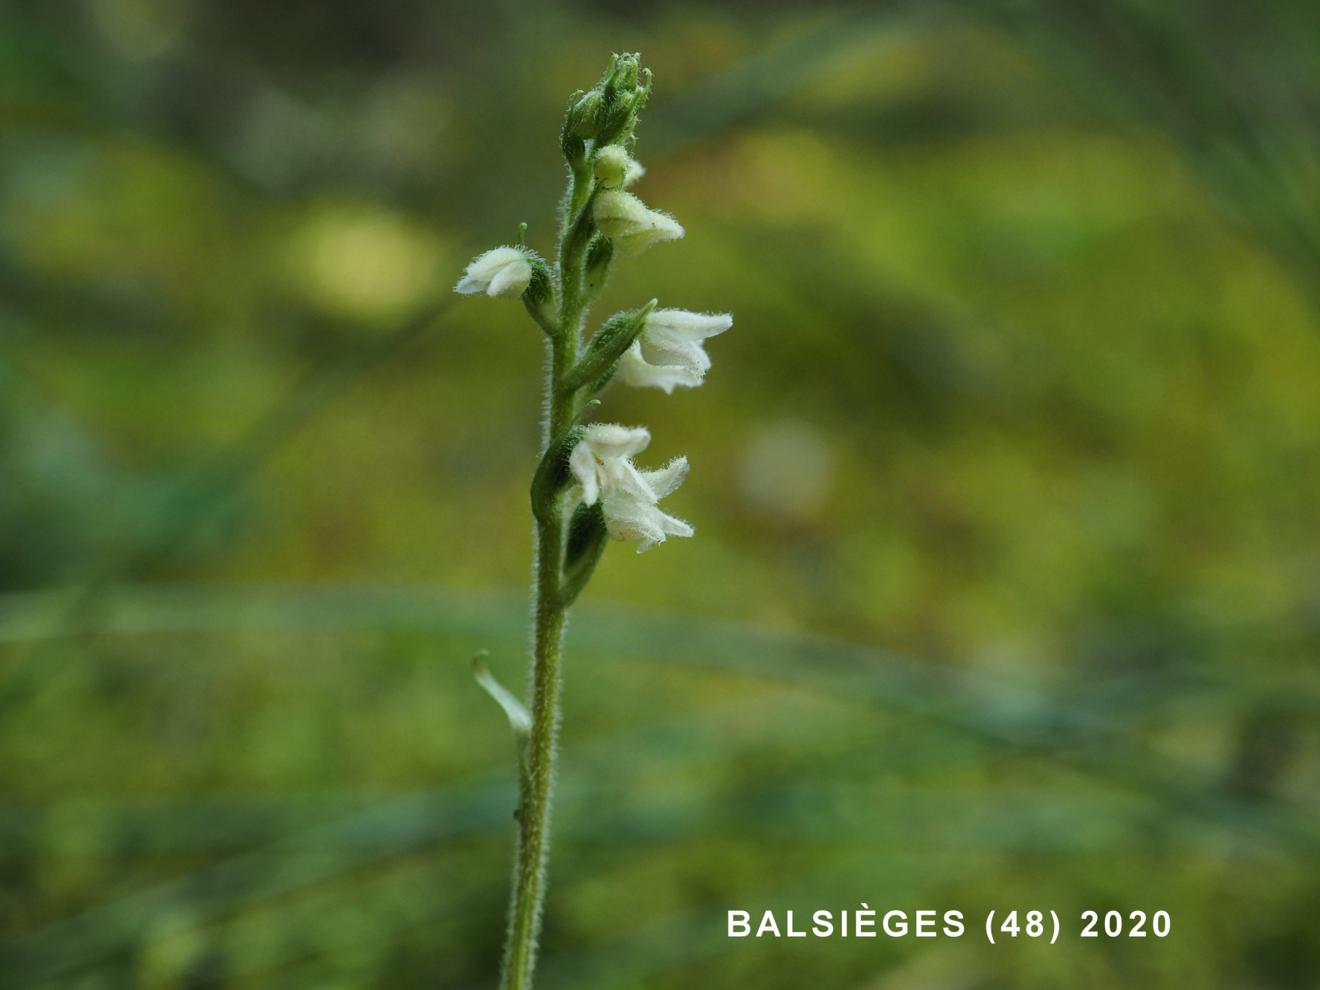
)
(630, 223)
(602, 465)
(668, 352)
(500, 272)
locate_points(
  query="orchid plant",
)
(586, 488)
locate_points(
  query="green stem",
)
(539, 763)
(537, 779)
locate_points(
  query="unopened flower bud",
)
(615, 168)
(599, 255)
(583, 116)
(627, 221)
(503, 271)
(625, 69)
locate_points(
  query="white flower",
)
(601, 463)
(630, 224)
(668, 351)
(501, 271)
(615, 168)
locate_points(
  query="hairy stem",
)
(539, 764)
(537, 780)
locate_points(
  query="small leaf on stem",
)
(519, 720)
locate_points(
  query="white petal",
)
(640, 373)
(675, 527)
(619, 214)
(619, 478)
(626, 518)
(689, 355)
(681, 324)
(612, 440)
(632, 482)
(629, 519)
(656, 228)
(655, 528)
(512, 280)
(485, 268)
(668, 478)
(582, 464)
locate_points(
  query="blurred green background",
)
(1004, 590)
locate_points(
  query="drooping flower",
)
(602, 465)
(500, 272)
(615, 168)
(630, 223)
(668, 352)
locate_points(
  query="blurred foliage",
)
(1022, 388)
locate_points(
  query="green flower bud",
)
(623, 91)
(583, 116)
(539, 296)
(599, 255)
(626, 67)
(553, 473)
(609, 343)
(618, 118)
(587, 535)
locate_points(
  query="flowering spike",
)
(586, 488)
